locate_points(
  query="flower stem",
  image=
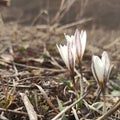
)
(104, 104)
(81, 79)
(73, 79)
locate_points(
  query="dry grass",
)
(30, 64)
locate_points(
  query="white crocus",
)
(101, 68)
(68, 52)
(68, 55)
(71, 40)
(108, 66)
(80, 43)
(64, 53)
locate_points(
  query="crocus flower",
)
(80, 43)
(68, 52)
(101, 69)
(68, 55)
(71, 42)
(70, 39)
(74, 49)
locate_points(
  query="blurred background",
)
(32, 12)
(35, 21)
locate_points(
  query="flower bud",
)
(101, 69)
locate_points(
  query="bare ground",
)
(34, 80)
(29, 57)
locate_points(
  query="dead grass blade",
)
(2, 117)
(46, 98)
(79, 22)
(31, 112)
(111, 111)
(17, 112)
(68, 107)
(64, 7)
(75, 113)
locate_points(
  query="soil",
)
(35, 81)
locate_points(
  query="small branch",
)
(75, 113)
(68, 107)
(111, 111)
(17, 112)
(46, 98)
(33, 67)
(29, 107)
(74, 24)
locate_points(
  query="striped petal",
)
(106, 61)
(63, 50)
(80, 42)
(70, 57)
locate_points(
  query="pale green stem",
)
(104, 104)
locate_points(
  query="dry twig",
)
(46, 98)
(70, 106)
(31, 112)
(111, 111)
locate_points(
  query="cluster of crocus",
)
(74, 49)
(73, 52)
(101, 69)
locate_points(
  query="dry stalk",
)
(64, 7)
(18, 112)
(46, 98)
(29, 107)
(70, 106)
(111, 111)
(67, 26)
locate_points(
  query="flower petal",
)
(98, 68)
(70, 57)
(69, 38)
(94, 72)
(78, 44)
(63, 50)
(106, 61)
(83, 36)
